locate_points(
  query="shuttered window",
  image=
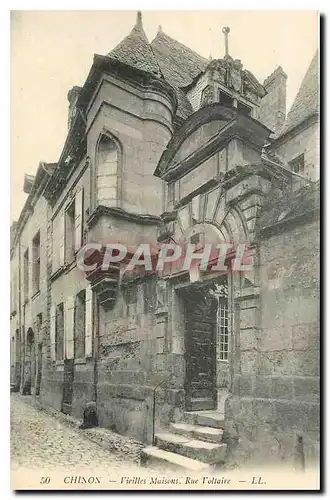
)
(79, 325)
(69, 327)
(53, 332)
(59, 332)
(58, 234)
(78, 222)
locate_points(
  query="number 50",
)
(45, 480)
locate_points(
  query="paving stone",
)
(39, 440)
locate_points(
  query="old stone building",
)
(166, 146)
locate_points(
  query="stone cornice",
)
(138, 78)
(102, 210)
(238, 126)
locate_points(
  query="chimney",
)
(272, 111)
(73, 95)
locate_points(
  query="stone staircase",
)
(195, 445)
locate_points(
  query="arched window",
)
(108, 158)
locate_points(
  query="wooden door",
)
(200, 350)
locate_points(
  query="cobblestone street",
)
(39, 440)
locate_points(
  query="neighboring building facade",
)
(165, 146)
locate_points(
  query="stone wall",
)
(305, 142)
(277, 396)
(133, 359)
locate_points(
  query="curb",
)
(123, 446)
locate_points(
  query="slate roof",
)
(179, 64)
(135, 50)
(306, 102)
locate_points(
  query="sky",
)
(51, 51)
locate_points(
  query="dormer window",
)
(298, 164)
(244, 109)
(226, 99)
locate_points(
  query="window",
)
(59, 331)
(26, 274)
(298, 164)
(226, 99)
(36, 263)
(244, 109)
(107, 172)
(70, 233)
(222, 323)
(79, 325)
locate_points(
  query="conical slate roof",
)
(306, 102)
(135, 50)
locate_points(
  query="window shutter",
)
(78, 223)
(53, 333)
(54, 245)
(61, 239)
(58, 242)
(89, 323)
(69, 325)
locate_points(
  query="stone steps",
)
(210, 434)
(205, 418)
(210, 453)
(195, 444)
(173, 461)
(201, 403)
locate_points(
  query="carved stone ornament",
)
(236, 79)
(207, 96)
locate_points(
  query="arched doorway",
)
(203, 307)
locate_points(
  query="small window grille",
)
(223, 322)
(223, 329)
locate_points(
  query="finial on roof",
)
(210, 57)
(139, 19)
(160, 28)
(226, 31)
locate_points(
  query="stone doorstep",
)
(173, 461)
(210, 434)
(204, 451)
(106, 439)
(208, 418)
